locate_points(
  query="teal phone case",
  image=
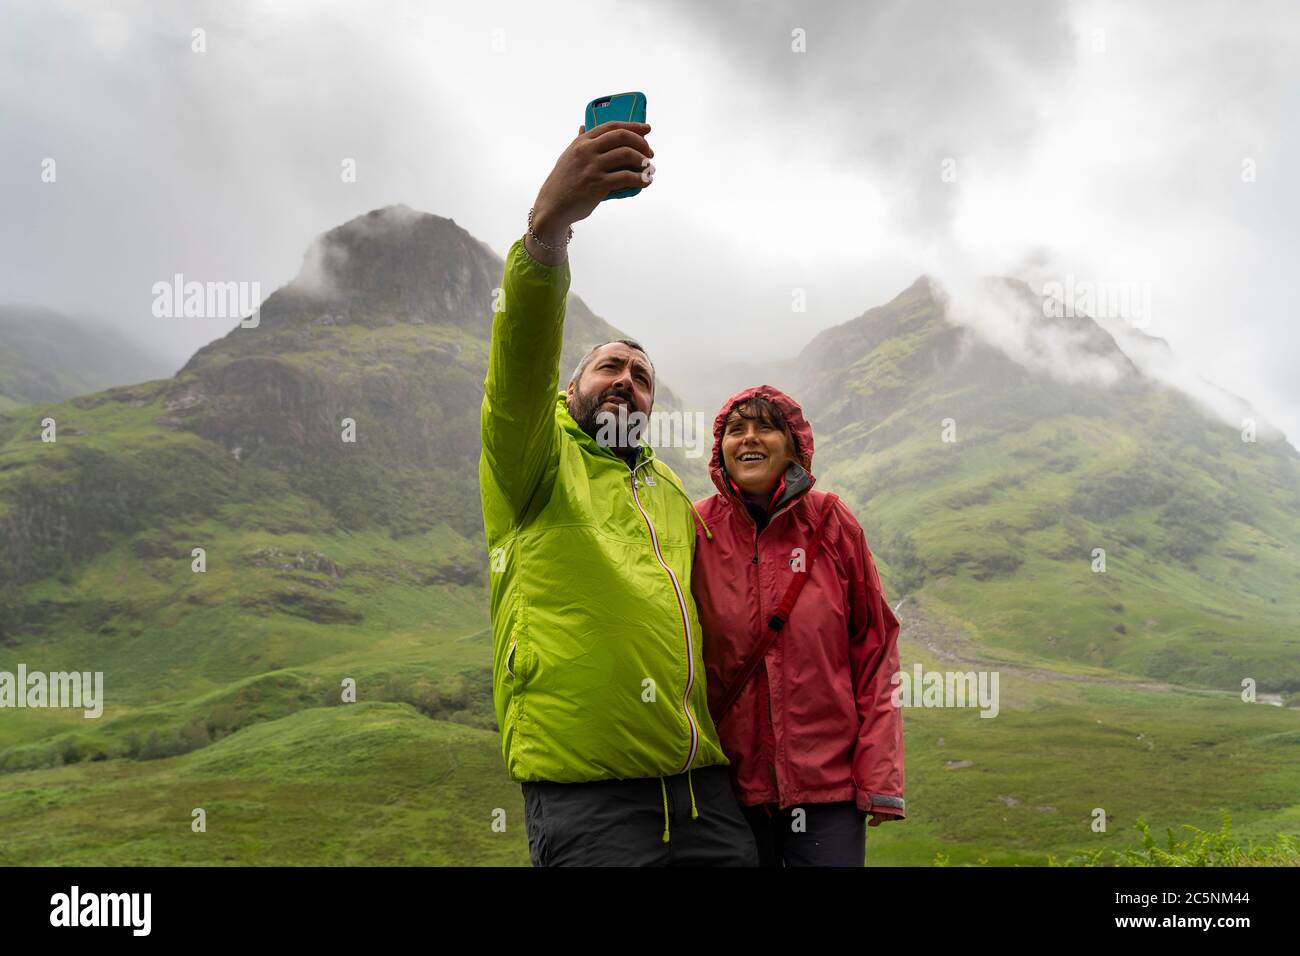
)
(628, 107)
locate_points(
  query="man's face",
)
(616, 375)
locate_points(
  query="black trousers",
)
(621, 822)
(827, 834)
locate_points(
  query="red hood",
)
(799, 427)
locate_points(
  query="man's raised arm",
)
(518, 416)
(519, 432)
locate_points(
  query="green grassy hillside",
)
(1201, 531)
(381, 783)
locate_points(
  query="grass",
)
(381, 782)
(1197, 848)
(1060, 751)
(364, 784)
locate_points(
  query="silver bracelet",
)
(544, 245)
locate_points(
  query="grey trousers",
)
(622, 822)
(828, 834)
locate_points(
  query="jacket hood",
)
(799, 427)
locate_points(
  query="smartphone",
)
(628, 107)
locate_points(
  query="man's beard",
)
(586, 411)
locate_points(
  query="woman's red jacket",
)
(816, 722)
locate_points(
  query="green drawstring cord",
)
(690, 785)
(665, 790)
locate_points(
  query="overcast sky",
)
(1103, 141)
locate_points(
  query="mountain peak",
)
(391, 266)
(396, 253)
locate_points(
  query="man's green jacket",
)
(597, 662)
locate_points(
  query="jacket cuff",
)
(546, 288)
(541, 268)
(883, 804)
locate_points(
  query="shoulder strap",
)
(777, 621)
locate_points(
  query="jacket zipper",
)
(758, 592)
(686, 625)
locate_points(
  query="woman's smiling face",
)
(755, 451)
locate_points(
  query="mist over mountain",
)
(989, 465)
(707, 382)
(46, 357)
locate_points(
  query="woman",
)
(814, 741)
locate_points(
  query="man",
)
(598, 675)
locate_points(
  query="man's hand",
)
(877, 819)
(588, 170)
